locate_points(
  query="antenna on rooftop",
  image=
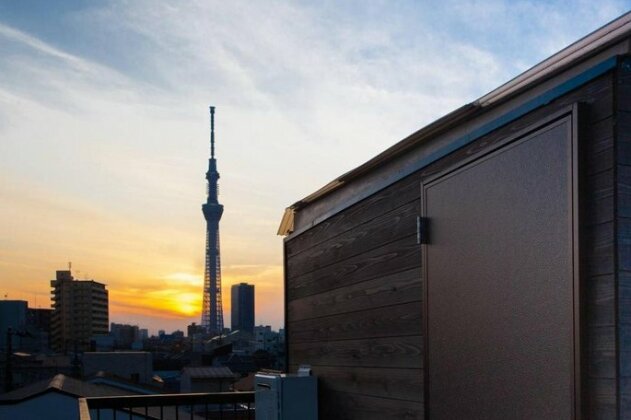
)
(69, 265)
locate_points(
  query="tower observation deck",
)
(212, 312)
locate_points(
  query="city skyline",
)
(103, 120)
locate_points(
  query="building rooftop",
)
(63, 384)
(208, 372)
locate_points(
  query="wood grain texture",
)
(599, 149)
(598, 242)
(623, 88)
(388, 321)
(624, 243)
(600, 300)
(401, 384)
(623, 217)
(397, 288)
(338, 405)
(602, 401)
(623, 140)
(391, 352)
(381, 230)
(624, 298)
(602, 339)
(401, 255)
(602, 364)
(625, 398)
(624, 191)
(404, 191)
(623, 210)
(600, 207)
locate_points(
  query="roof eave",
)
(575, 53)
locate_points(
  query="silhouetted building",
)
(39, 318)
(124, 334)
(12, 315)
(265, 338)
(37, 337)
(193, 330)
(30, 326)
(143, 334)
(135, 366)
(80, 311)
(242, 307)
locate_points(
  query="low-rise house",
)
(136, 366)
(52, 399)
(207, 379)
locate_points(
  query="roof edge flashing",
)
(574, 54)
(577, 51)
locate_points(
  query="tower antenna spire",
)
(212, 309)
(212, 132)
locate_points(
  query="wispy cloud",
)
(42, 47)
(104, 133)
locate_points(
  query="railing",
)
(218, 405)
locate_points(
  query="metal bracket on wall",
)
(421, 230)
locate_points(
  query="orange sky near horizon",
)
(104, 126)
(154, 273)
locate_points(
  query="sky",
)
(104, 127)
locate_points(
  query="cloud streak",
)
(105, 133)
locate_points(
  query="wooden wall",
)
(353, 306)
(354, 286)
(623, 220)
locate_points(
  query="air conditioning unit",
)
(281, 396)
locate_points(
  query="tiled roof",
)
(64, 384)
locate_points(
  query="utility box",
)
(286, 396)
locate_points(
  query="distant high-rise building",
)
(212, 310)
(242, 299)
(80, 311)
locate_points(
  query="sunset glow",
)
(104, 131)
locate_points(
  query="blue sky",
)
(104, 124)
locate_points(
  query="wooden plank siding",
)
(353, 306)
(354, 284)
(622, 129)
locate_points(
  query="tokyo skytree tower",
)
(212, 312)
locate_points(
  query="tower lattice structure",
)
(212, 310)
